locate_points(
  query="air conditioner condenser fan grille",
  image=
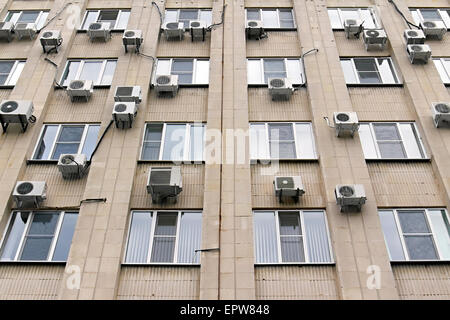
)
(285, 182)
(277, 83)
(120, 107)
(129, 34)
(252, 24)
(67, 160)
(163, 80)
(47, 34)
(24, 188)
(373, 33)
(160, 177)
(76, 85)
(442, 108)
(195, 24)
(95, 26)
(346, 191)
(412, 33)
(429, 24)
(124, 91)
(9, 106)
(172, 25)
(416, 48)
(343, 117)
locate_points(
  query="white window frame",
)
(194, 70)
(187, 141)
(97, 83)
(443, 67)
(151, 238)
(277, 17)
(14, 73)
(303, 235)
(58, 132)
(199, 11)
(401, 234)
(297, 143)
(98, 13)
(419, 141)
(372, 12)
(417, 15)
(40, 20)
(288, 72)
(395, 74)
(27, 229)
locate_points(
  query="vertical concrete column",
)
(236, 235)
(341, 161)
(100, 233)
(209, 272)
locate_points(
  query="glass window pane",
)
(174, 142)
(163, 66)
(70, 72)
(253, 14)
(71, 133)
(334, 19)
(391, 149)
(184, 69)
(42, 19)
(166, 224)
(206, 15)
(349, 13)
(281, 131)
(36, 248)
(170, 16)
(282, 150)
(187, 14)
(63, 148)
(367, 18)
(91, 140)
(139, 237)
(420, 247)
(441, 227)
(16, 73)
(367, 71)
(369, 77)
(430, 14)
(6, 66)
(12, 17)
(367, 142)
(123, 20)
(43, 224)
(292, 249)
(29, 16)
(349, 73)
(197, 142)
(14, 235)
(413, 221)
(305, 140)
(45, 145)
(190, 237)
(387, 71)
(442, 72)
(265, 234)
(294, 71)
(202, 72)
(274, 65)
(365, 64)
(109, 16)
(270, 18)
(289, 223)
(391, 236)
(153, 132)
(91, 17)
(150, 150)
(108, 74)
(415, 16)
(65, 237)
(286, 18)
(410, 142)
(317, 236)
(386, 131)
(3, 78)
(163, 249)
(254, 72)
(91, 71)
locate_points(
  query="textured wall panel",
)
(189, 4)
(262, 108)
(425, 4)
(104, 4)
(190, 197)
(83, 47)
(278, 44)
(4, 94)
(355, 47)
(263, 194)
(349, 3)
(189, 104)
(185, 48)
(418, 282)
(404, 184)
(268, 4)
(381, 103)
(15, 49)
(440, 48)
(30, 281)
(294, 282)
(31, 5)
(149, 282)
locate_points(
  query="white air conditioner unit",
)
(124, 114)
(6, 29)
(280, 88)
(25, 30)
(412, 36)
(441, 114)
(72, 166)
(173, 30)
(353, 28)
(128, 94)
(51, 39)
(166, 84)
(418, 53)
(346, 123)
(80, 88)
(132, 38)
(164, 183)
(99, 30)
(29, 194)
(433, 29)
(254, 29)
(374, 39)
(16, 111)
(350, 196)
(288, 186)
(198, 30)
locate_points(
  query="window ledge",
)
(161, 264)
(265, 85)
(7, 87)
(412, 262)
(98, 87)
(112, 31)
(63, 263)
(298, 264)
(399, 85)
(399, 160)
(280, 29)
(171, 162)
(267, 161)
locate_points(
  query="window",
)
(164, 237)
(37, 17)
(101, 72)
(288, 236)
(57, 139)
(173, 142)
(10, 71)
(272, 18)
(117, 19)
(281, 140)
(38, 236)
(259, 70)
(443, 67)
(186, 15)
(189, 71)
(369, 71)
(339, 15)
(416, 234)
(436, 14)
(390, 140)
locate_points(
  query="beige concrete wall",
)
(278, 44)
(185, 48)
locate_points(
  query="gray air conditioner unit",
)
(433, 29)
(197, 29)
(128, 94)
(288, 186)
(51, 40)
(132, 38)
(164, 183)
(72, 166)
(173, 30)
(353, 28)
(346, 123)
(418, 53)
(441, 114)
(99, 30)
(254, 29)
(412, 36)
(350, 196)
(374, 39)
(16, 111)
(280, 88)
(124, 114)
(29, 194)
(6, 29)
(166, 84)
(80, 88)
(25, 30)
